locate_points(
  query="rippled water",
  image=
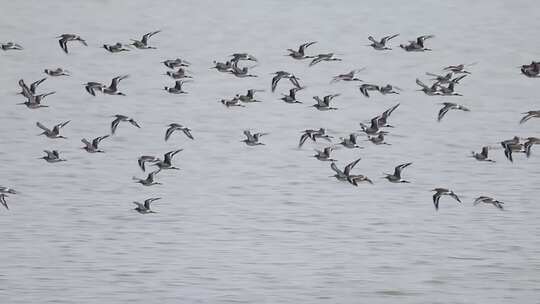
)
(266, 224)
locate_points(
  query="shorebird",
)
(373, 129)
(52, 156)
(529, 143)
(430, 91)
(56, 72)
(149, 181)
(442, 191)
(92, 86)
(291, 98)
(529, 115)
(457, 69)
(65, 38)
(145, 208)
(181, 73)
(482, 156)
(381, 45)
(222, 67)
(30, 91)
(3, 200)
(8, 190)
(324, 155)
(365, 88)
(253, 139)
(418, 45)
(510, 146)
(349, 142)
(234, 102)
(176, 63)
(324, 104)
(143, 43)
(249, 97)
(142, 160)
(112, 89)
(11, 46)
(242, 56)
(378, 140)
(323, 57)
(396, 177)
(488, 200)
(343, 175)
(54, 132)
(115, 48)
(177, 89)
(240, 72)
(450, 106)
(92, 147)
(449, 90)
(531, 70)
(441, 79)
(282, 74)
(177, 127)
(388, 89)
(313, 135)
(120, 118)
(166, 163)
(347, 76)
(383, 118)
(300, 54)
(34, 102)
(355, 179)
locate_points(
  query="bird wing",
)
(334, 167)
(42, 127)
(188, 133)
(350, 166)
(386, 38)
(420, 83)
(444, 110)
(114, 124)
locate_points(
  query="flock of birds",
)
(442, 85)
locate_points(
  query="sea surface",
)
(267, 224)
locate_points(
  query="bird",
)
(313, 135)
(324, 155)
(324, 104)
(65, 38)
(222, 67)
(240, 72)
(383, 118)
(418, 45)
(179, 74)
(343, 175)
(9, 190)
(349, 142)
(442, 191)
(529, 143)
(34, 102)
(282, 74)
(428, 90)
(54, 132)
(115, 48)
(177, 127)
(143, 43)
(291, 98)
(323, 57)
(457, 69)
(529, 115)
(450, 106)
(488, 200)
(166, 163)
(120, 118)
(112, 89)
(482, 156)
(11, 46)
(388, 89)
(249, 97)
(92, 147)
(396, 177)
(531, 70)
(373, 129)
(300, 54)
(234, 102)
(366, 87)
(242, 56)
(176, 63)
(145, 208)
(347, 76)
(355, 179)
(3, 200)
(510, 146)
(52, 156)
(253, 139)
(56, 72)
(149, 181)
(177, 89)
(30, 91)
(378, 140)
(146, 159)
(441, 79)
(381, 45)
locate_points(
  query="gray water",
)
(267, 224)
